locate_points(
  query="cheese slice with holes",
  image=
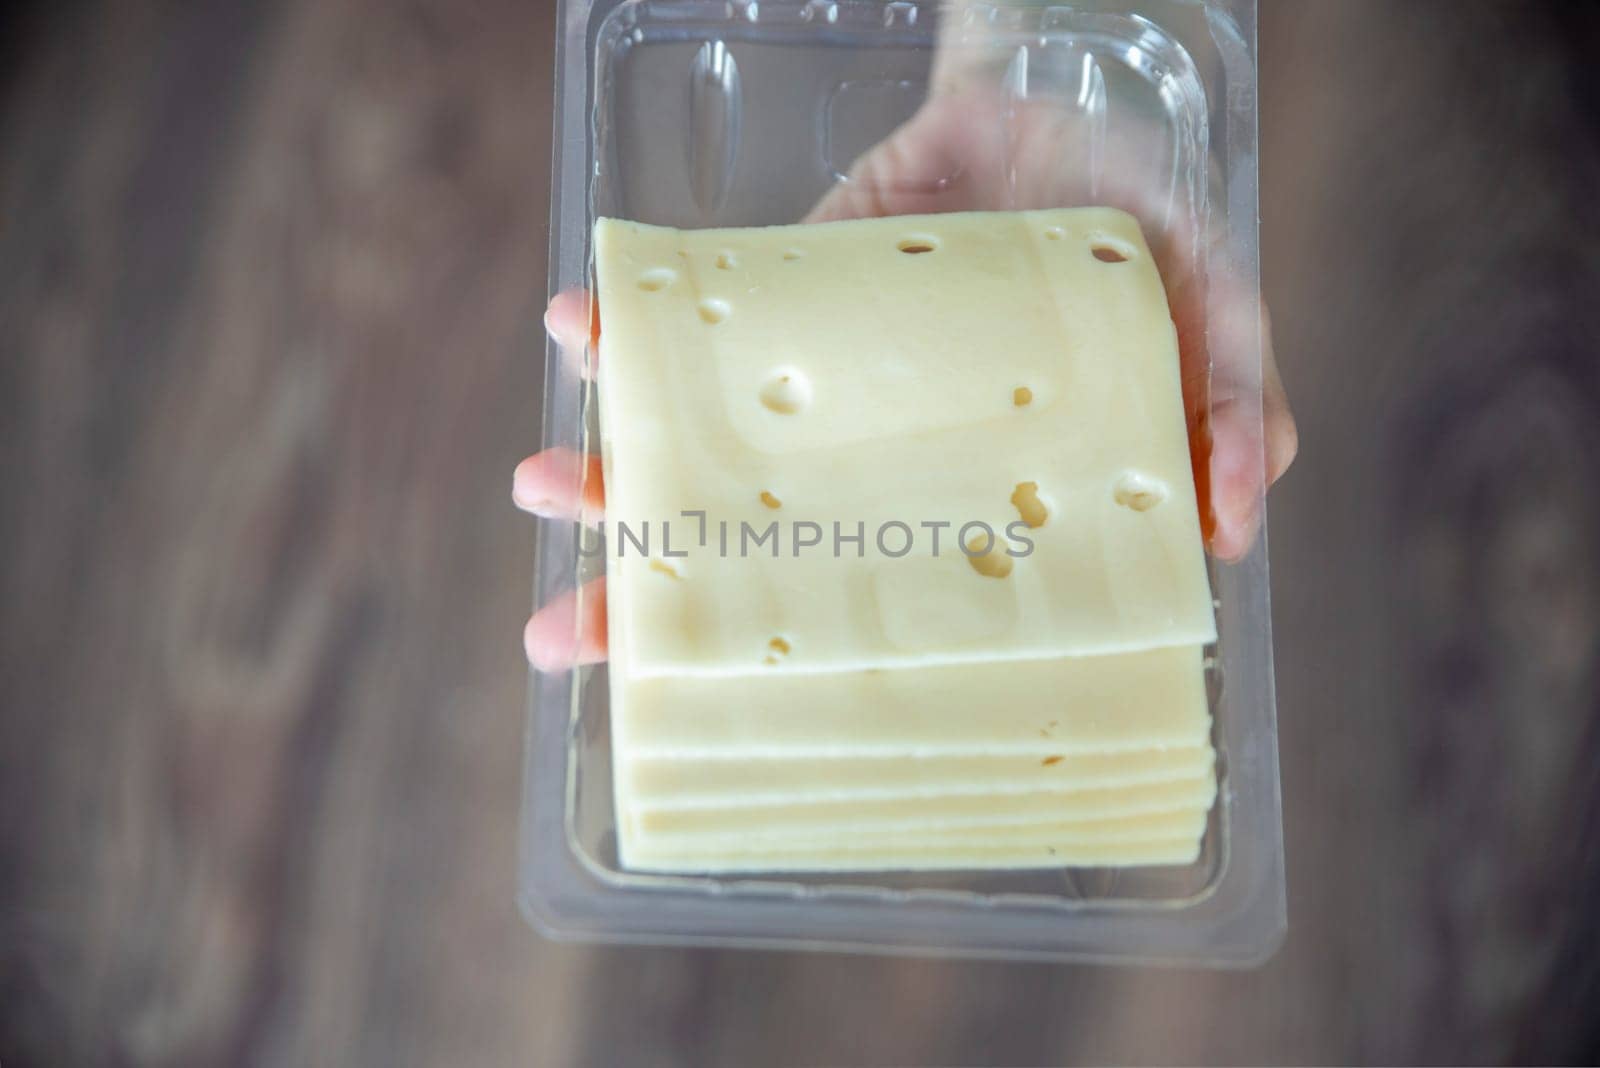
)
(900, 380)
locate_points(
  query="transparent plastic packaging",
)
(710, 114)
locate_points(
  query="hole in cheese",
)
(726, 261)
(778, 645)
(1054, 233)
(713, 311)
(653, 281)
(1107, 251)
(1022, 396)
(664, 568)
(1026, 500)
(1050, 760)
(786, 392)
(1139, 492)
(792, 254)
(769, 500)
(991, 561)
(917, 244)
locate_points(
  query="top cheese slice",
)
(836, 403)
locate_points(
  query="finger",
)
(1235, 484)
(1283, 436)
(573, 320)
(1242, 433)
(569, 631)
(1247, 456)
(559, 483)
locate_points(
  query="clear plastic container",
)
(698, 114)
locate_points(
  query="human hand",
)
(955, 155)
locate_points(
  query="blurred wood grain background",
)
(271, 277)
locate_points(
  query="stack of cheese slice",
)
(904, 564)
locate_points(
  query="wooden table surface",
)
(271, 278)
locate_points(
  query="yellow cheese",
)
(709, 768)
(1164, 839)
(998, 368)
(1070, 705)
(918, 815)
(801, 428)
(711, 783)
(909, 856)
